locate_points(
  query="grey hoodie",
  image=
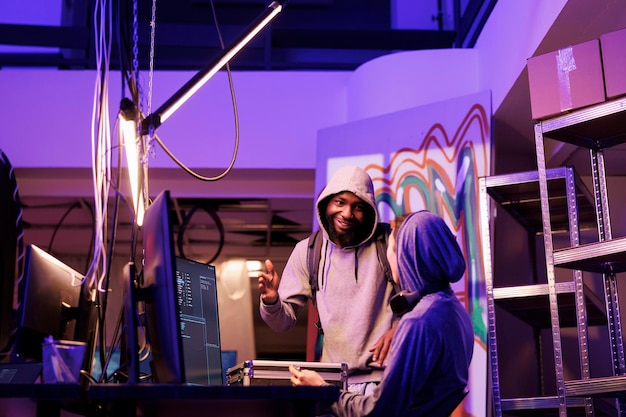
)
(353, 296)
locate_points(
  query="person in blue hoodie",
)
(428, 366)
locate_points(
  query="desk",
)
(156, 400)
(42, 400)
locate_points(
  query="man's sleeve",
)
(294, 292)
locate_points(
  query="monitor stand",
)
(131, 323)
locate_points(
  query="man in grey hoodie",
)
(353, 295)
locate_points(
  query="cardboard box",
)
(565, 79)
(613, 45)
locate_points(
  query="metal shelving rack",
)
(596, 128)
(519, 195)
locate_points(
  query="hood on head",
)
(428, 253)
(355, 180)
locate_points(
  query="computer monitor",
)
(159, 293)
(10, 228)
(50, 303)
(199, 320)
(180, 305)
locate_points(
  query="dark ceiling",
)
(308, 34)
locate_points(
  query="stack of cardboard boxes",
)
(578, 76)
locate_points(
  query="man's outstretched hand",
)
(268, 284)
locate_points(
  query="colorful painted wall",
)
(428, 157)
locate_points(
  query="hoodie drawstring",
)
(356, 264)
(323, 274)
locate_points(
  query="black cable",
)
(114, 343)
(218, 223)
(93, 237)
(236, 122)
(60, 223)
(103, 297)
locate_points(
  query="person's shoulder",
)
(302, 244)
(434, 310)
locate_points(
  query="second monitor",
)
(54, 303)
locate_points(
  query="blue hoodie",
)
(430, 355)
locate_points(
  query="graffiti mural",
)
(429, 158)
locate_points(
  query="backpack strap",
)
(381, 236)
(314, 255)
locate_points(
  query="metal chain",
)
(152, 37)
(150, 144)
(136, 49)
